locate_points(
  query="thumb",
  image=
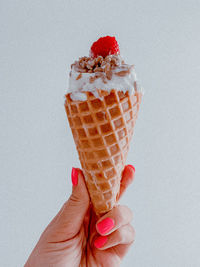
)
(69, 220)
(78, 203)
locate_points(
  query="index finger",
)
(127, 178)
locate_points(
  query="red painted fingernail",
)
(100, 241)
(131, 166)
(105, 226)
(74, 176)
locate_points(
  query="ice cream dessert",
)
(102, 106)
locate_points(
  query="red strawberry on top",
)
(104, 46)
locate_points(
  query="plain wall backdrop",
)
(38, 42)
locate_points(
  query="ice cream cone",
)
(102, 129)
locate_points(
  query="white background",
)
(39, 41)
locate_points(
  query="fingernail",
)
(74, 176)
(100, 241)
(105, 226)
(131, 166)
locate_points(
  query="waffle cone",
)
(102, 129)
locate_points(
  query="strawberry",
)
(104, 46)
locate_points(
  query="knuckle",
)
(124, 212)
(126, 234)
(131, 232)
(119, 213)
(74, 199)
(120, 235)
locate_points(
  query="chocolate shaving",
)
(79, 76)
(107, 67)
(98, 69)
(92, 79)
(86, 64)
(104, 79)
(122, 73)
(109, 75)
(103, 68)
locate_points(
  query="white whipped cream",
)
(77, 87)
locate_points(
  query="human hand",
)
(77, 238)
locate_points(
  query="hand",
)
(76, 237)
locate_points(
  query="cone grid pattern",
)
(102, 129)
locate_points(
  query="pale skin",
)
(69, 238)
